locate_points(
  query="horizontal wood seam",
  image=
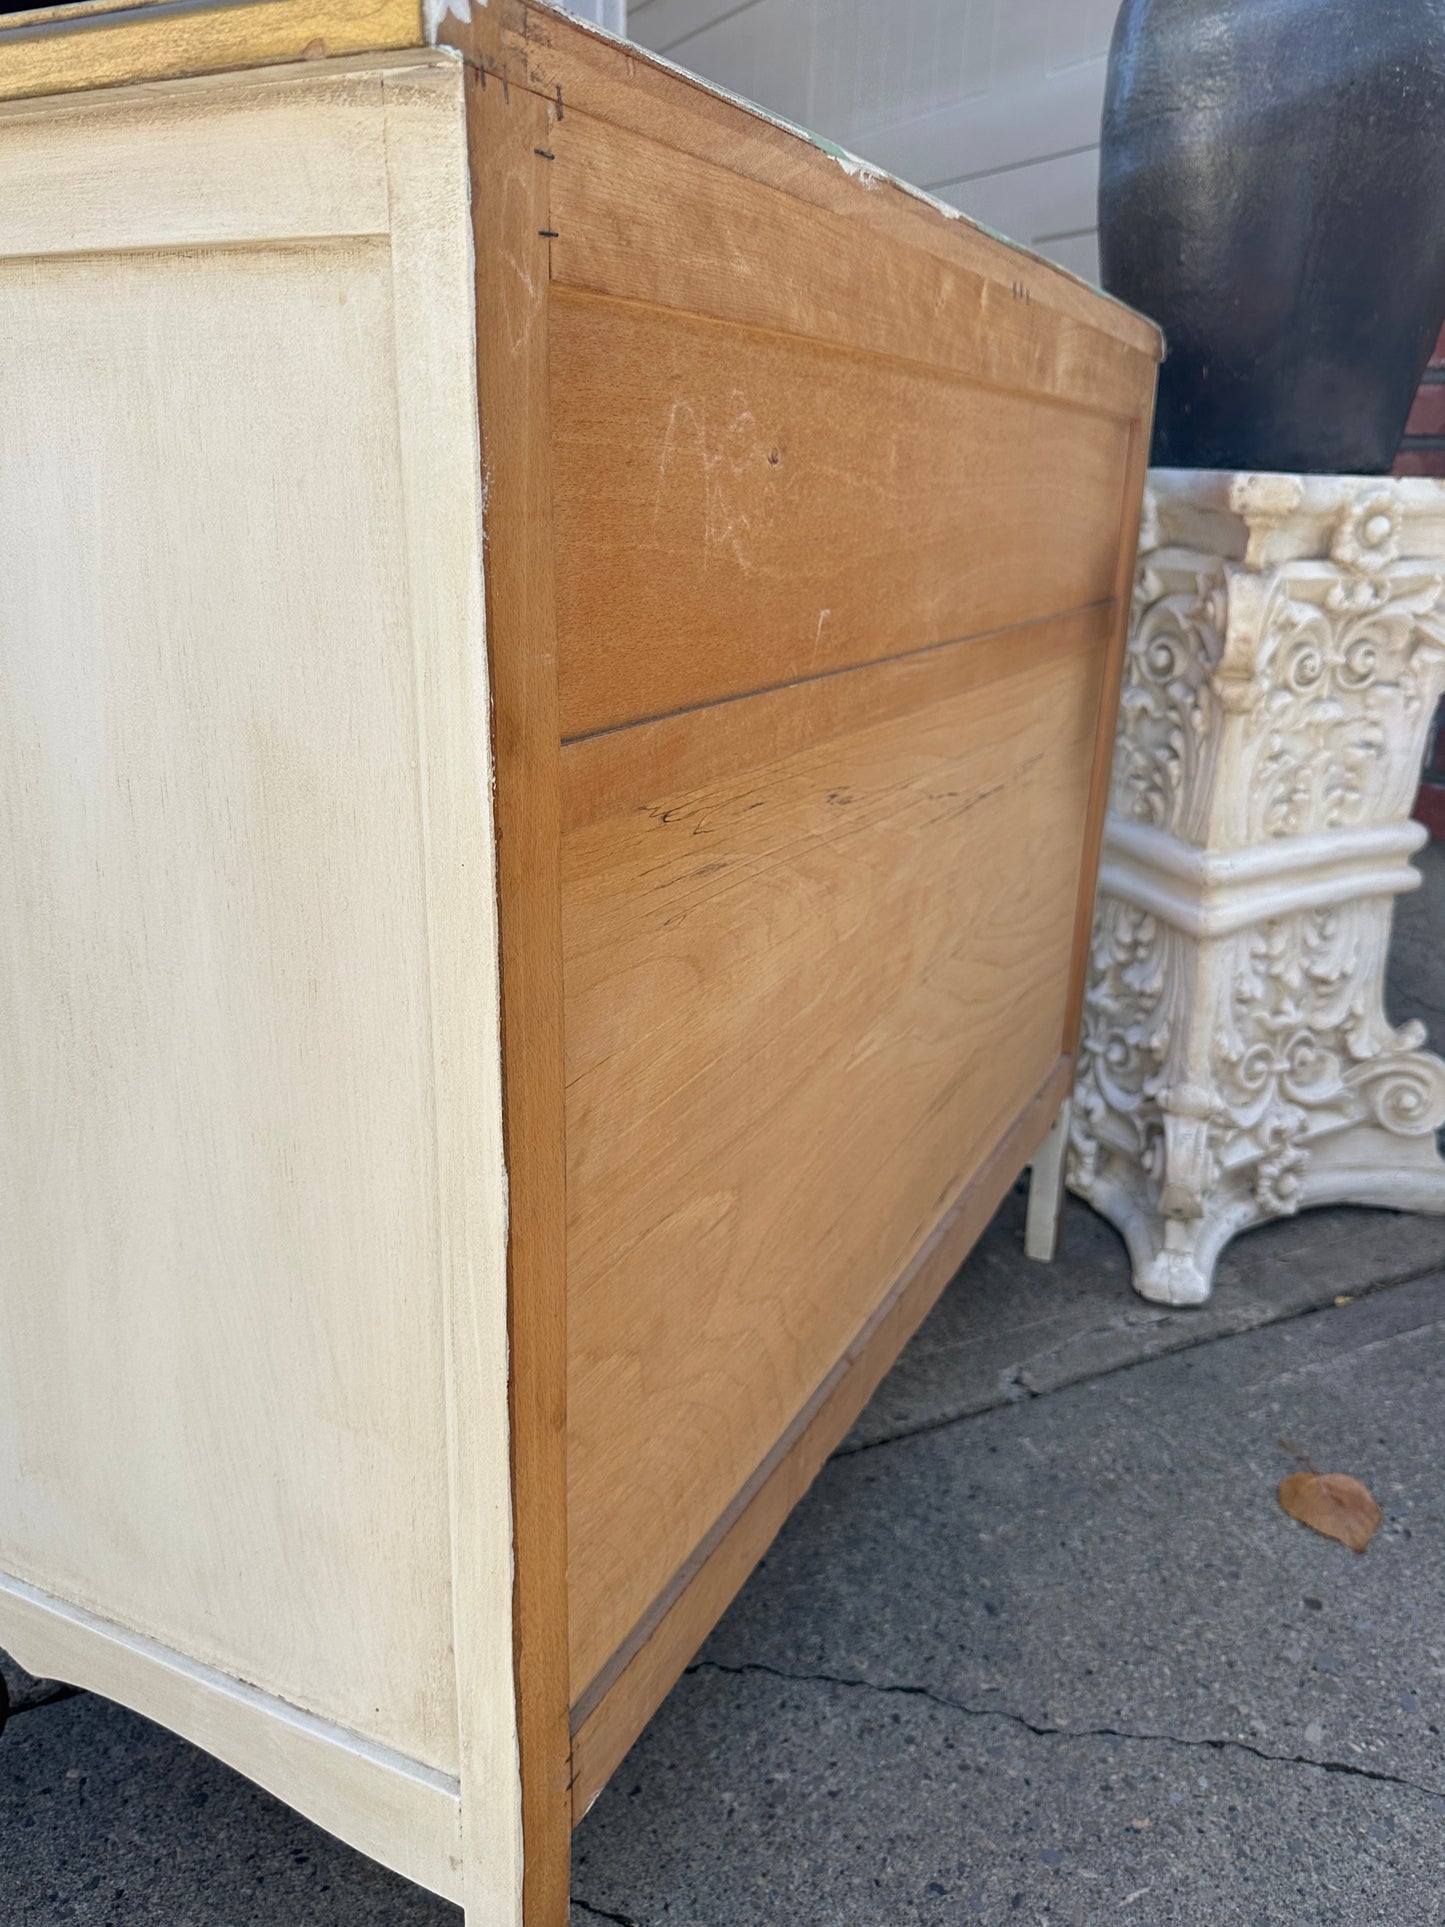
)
(846, 669)
(1041, 1107)
(934, 370)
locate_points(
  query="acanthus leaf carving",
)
(1231, 1074)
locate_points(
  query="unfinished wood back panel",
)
(650, 221)
(533, 45)
(825, 466)
(791, 507)
(800, 998)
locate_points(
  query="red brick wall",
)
(1423, 453)
(1423, 450)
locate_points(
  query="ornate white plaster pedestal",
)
(1286, 655)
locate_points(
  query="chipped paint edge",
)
(434, 12)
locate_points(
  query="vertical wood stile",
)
(511, 133)
(1131, 510)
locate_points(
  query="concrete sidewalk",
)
(1039, 1645)
(1068, 1660)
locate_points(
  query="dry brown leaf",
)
(1334, 1504)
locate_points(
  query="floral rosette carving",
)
(1367, 536)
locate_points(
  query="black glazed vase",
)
(1272, 193)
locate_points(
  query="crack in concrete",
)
(1015, 1389)
(1047, 1732)
(601, 1913)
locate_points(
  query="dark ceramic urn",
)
(1272, 192)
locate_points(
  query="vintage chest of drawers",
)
(557, 673)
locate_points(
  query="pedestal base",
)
(1286, 654)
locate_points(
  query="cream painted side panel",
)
(252, 1217)
(406, 1815)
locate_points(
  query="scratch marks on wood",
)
(823, 615)
(520, 285)
(733, 464)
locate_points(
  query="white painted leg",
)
(1046, 1190)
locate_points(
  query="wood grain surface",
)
(57, 50)
(800, 1001)
(622, 769)
(621, 1699)
(807, 510)
(792, 508)
(511, 133)
(534, 46)
(639, 219)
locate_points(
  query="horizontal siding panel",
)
(940, 92)
(1029, 203)
(832, 64)
(1079, 253)
(1033, 118)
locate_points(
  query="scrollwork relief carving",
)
(1233, 1076)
